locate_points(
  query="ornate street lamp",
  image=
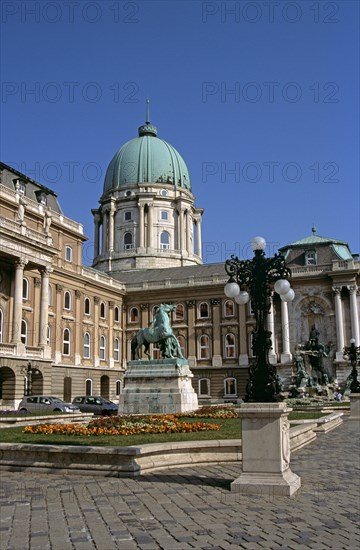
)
(352, 353)
(28, 371)
(252, 279)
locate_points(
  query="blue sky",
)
(260, 98)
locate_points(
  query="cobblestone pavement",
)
(190, 507)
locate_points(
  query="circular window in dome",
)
(164, 192)
(128, 194)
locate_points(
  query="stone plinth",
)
(265, 451)
(354, 406)
(162, 386)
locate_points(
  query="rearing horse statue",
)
(160, 333)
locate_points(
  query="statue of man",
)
(314, 336)
(47, 222)
(20, 215)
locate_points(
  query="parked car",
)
(46, 403)
(95, 404)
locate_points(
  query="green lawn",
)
(230, 428)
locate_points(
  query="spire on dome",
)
(147, 120)
(147, 129)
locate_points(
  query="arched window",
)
(204, 387)
(67, 300)
(23, 331)
(204, 310)
(25, 290)
(50, 295)
(1, 325)
(182, 343)
(66, 342)
(87, 343)
(116, 314)
(102, 348)
(118, 387)
(230, 387)
(154, 311)
(179, 312)
(164, 240)
(88, 386)
(87, 306)
(128, 241)
(102, 310)
(204, 347)
(229, 310)
(229, 346)
(134, 315)
(116, 349)
(68, 253)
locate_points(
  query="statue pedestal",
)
(265, 451)
(158, 387)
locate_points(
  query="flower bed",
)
(124, 425)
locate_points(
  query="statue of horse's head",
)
(167, 308)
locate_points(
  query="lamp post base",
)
(265, 451)
(354, 406)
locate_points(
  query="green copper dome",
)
(147, 159)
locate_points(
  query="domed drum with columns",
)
(147, 217)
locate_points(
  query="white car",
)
(46, 403)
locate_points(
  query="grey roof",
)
(203, 271)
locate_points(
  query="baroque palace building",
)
(73, 324)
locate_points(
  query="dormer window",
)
(310, 257)
(41, 197)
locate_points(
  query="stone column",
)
(286, 355)
(79, 334)
(44, 306)
(58, 324)
(96, 234)
(198, 237)
(111, 227)
(34, 332)
(271, 328)
(191, 334)
(339, 324)
(181, 229)
(150, 226)
(243, 342)
(104, 249)
(354, 314)
(96, 331)
(188, 232)
(141, 226)
(217, 336)
(111, 334)
(17, 309)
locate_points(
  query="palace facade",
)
(71, 325)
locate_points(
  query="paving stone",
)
(190, 508)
